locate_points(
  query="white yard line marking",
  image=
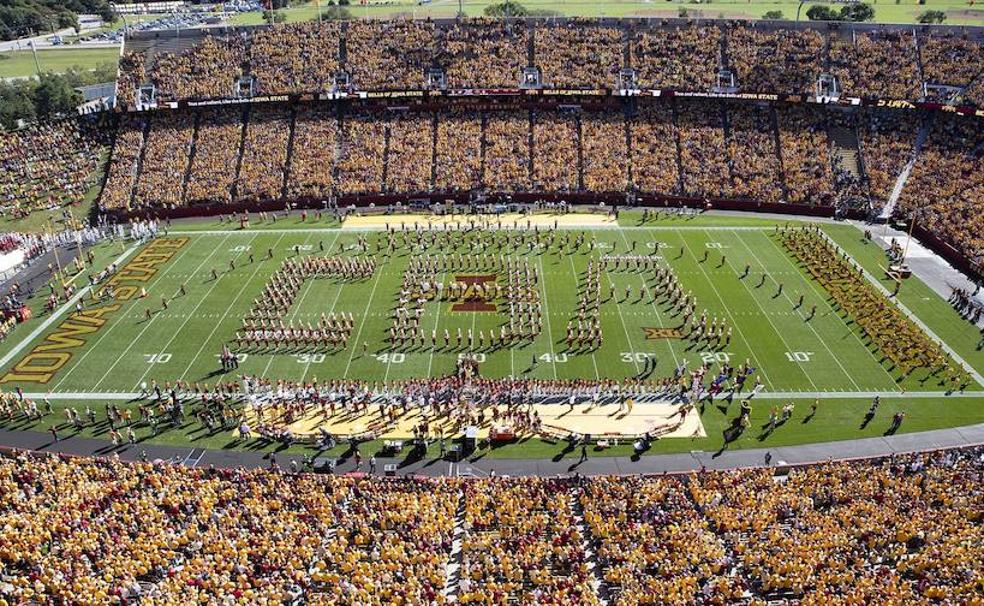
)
(57, 314)
(95, 345)
(146, 326)
(229, 307)
(912, 316)
(815, 287)
(727, 310)
(775, 329)
(659, 317)
(621, 318)
(799, 313)
(338, 294)
(362, 324)
(546, 312)
(306, 286)
(577, 287)
(437, 321)
(191, 315)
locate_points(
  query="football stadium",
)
(494, 311)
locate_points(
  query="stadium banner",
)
(544, 93)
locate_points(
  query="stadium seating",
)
(46, 166)
(946, 188)
(887, 62)
(903, 530)
(484, 53)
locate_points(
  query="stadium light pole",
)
(37, 63)
(319, 11)
(798, 9)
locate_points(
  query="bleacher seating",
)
(904, 530)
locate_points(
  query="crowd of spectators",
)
(752, 154)
(949, 59)
(974, 93)
(905, 529)
(725, 150)
(49, 165)
(165, 160)
(132, 74)
(946, 186)
(572, 53)
(507, 151)
(806, 163)
(877, 64)
(484, 53)
(578, 54)
(775, 60)
(654, 150)
(264, 161)
(458, 150)
(361, 160)
(388, 55)
(556, 165)
(682, 58)
(522, 545)
(703, 153)
(410, 150)
(206, 70)
(299, 57)
(605, 151)
(888, 138)
(314, 151)
(213, 165)
(121, 176)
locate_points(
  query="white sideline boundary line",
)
(16, 349)
(355, 230)
(764, 395)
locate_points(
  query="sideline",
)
(763, 395)
(354, 230)
(59, 312)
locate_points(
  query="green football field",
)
(798, 355)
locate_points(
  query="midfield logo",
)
(653, 334)
(479, 294)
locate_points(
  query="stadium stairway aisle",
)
(453, 567)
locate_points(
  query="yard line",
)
(229, 307)
(832, 311)
(872, 279)
(659, 318)
(297, 307)
(338, 294)
(437, 318)
(577, 287)
(798, 313)
(628, 339)
(546, 313)
(191, 315)
(57, 314)
(768, 319)
(362, 324)
(727, 310)
(148, 325)
(171, 265)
